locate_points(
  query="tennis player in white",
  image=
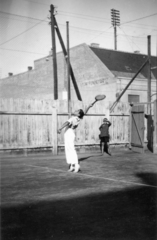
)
(69, 138)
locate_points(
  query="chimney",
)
(10, 74)
(29, 68)
(137, 51)
(95, 45)
(50, 52)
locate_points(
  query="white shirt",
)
(74, 122)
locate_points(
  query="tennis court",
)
(113, 197)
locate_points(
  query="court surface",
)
(112, 198)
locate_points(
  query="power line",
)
(85, 29)
(136, 26)
(139, 18)
(100, 34)
(20, 20)
(17, 15)
(109, 20)
(20, 33)
(127, 39)
(83, 16)
(46, 21)
(14, 50)
(94, 18)
(82, 29)
(79, 28)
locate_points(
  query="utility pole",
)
(115, 20)
(68, 71)
(55, 83)
(65, 54)
(149, 77)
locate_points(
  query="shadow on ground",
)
(149, 178)
(84, 158)
(122, 215)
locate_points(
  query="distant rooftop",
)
(124, 64)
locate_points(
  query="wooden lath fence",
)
(30, 123)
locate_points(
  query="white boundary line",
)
(90, 176)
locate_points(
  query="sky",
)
(25, 32)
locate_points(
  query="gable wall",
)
(91, 75)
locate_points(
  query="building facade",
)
(96, 70)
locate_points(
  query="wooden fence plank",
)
(29, 123)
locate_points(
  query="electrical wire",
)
(71, 27)
(94, 18)
(84, 29)
(139, 18)
(20, 33)
(127, 39)
(14, 50)
(100, 34)
(109, 20)
(22, 16)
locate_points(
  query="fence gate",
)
(137, 128)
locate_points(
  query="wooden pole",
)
(68, 71)
(130, 126)
(155, 128)
(155, 115)
(149, 76)
(54, 131)
(115, 103)
(65, 54)
(54, 53)
(115, 37)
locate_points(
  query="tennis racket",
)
(99, 98)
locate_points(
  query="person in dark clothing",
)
(104, 136)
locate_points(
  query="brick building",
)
(97, 71)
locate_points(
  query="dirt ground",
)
(112, 198)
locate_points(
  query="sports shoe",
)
(77, 168)
(71, 169)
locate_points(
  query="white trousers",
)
(70, 152)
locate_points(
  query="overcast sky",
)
(25, 34)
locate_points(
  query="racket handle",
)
(91, 105)
(93, 102)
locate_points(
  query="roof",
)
(124, 64)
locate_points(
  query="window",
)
(133, 98)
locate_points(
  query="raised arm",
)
(86, 110)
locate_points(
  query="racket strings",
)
(100, 97)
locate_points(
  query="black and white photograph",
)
(78, 120)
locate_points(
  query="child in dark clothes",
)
(104, 136)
